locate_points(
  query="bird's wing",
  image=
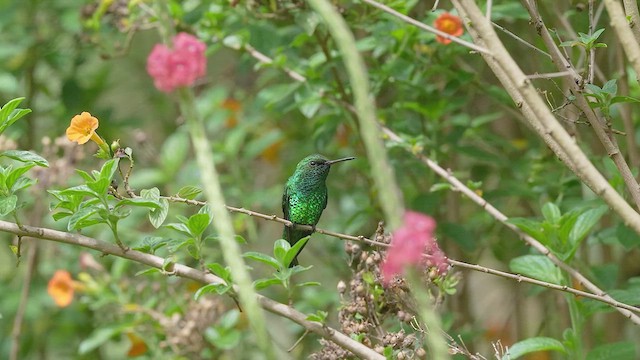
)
(286, 234)
(285, 203)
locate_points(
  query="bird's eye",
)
(313, 163)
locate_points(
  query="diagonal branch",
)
(184, 271)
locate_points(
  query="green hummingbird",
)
(305, 197)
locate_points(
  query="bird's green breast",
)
(306, 208)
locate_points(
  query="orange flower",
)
(272, 153)
(449, 24)
(61, 288)
(83, 128)
(138, 346)
(233, 106)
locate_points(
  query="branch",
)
(598, 294)
(425, 27)
(550, 125)
(625, 35)
(157, 262)
(597, 123)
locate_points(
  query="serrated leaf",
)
(536, 266)
(7, 204)
(26, 156)
(189, 192)
(533, 345)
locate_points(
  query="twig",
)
(549, 75)
(625, 35)
(157, 262)
(521, 40)
(267, 60)
(603, 297)
(597, 123)
(32, 255)
(425, 27)
(631, 10)
(459, 186)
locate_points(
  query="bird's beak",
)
(331, 162)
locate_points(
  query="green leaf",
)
(7, 204)
(551, 212)
(320, 316)
(625, 99)
(189, 192)
(309, 283)
(158, 216)
(265, 283)
(536, 266)
(531, 227)
(198, 223)
(610, 87)
(262, 258)
(440, 187)
(9, 113)
(294, 250)
(179, 227)
(26, 156)
(174, 152)
(627, 237)
(108, 169)
(15, 174)
(223, 339)
(148, 271)
(99, 337)
(219, 270)
(585, 223)
(211, 288)
(280, 248)
(82, 190)
(82, 218)
(617, 351)
(140, 202)
(533, 345)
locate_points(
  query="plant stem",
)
(222, 220)
(390, 197)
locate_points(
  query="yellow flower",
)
(61, 288)
(83, 128)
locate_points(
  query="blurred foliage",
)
(65, 57)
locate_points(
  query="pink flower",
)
(180, 66)
(409, 245)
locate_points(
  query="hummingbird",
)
(305, 197)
